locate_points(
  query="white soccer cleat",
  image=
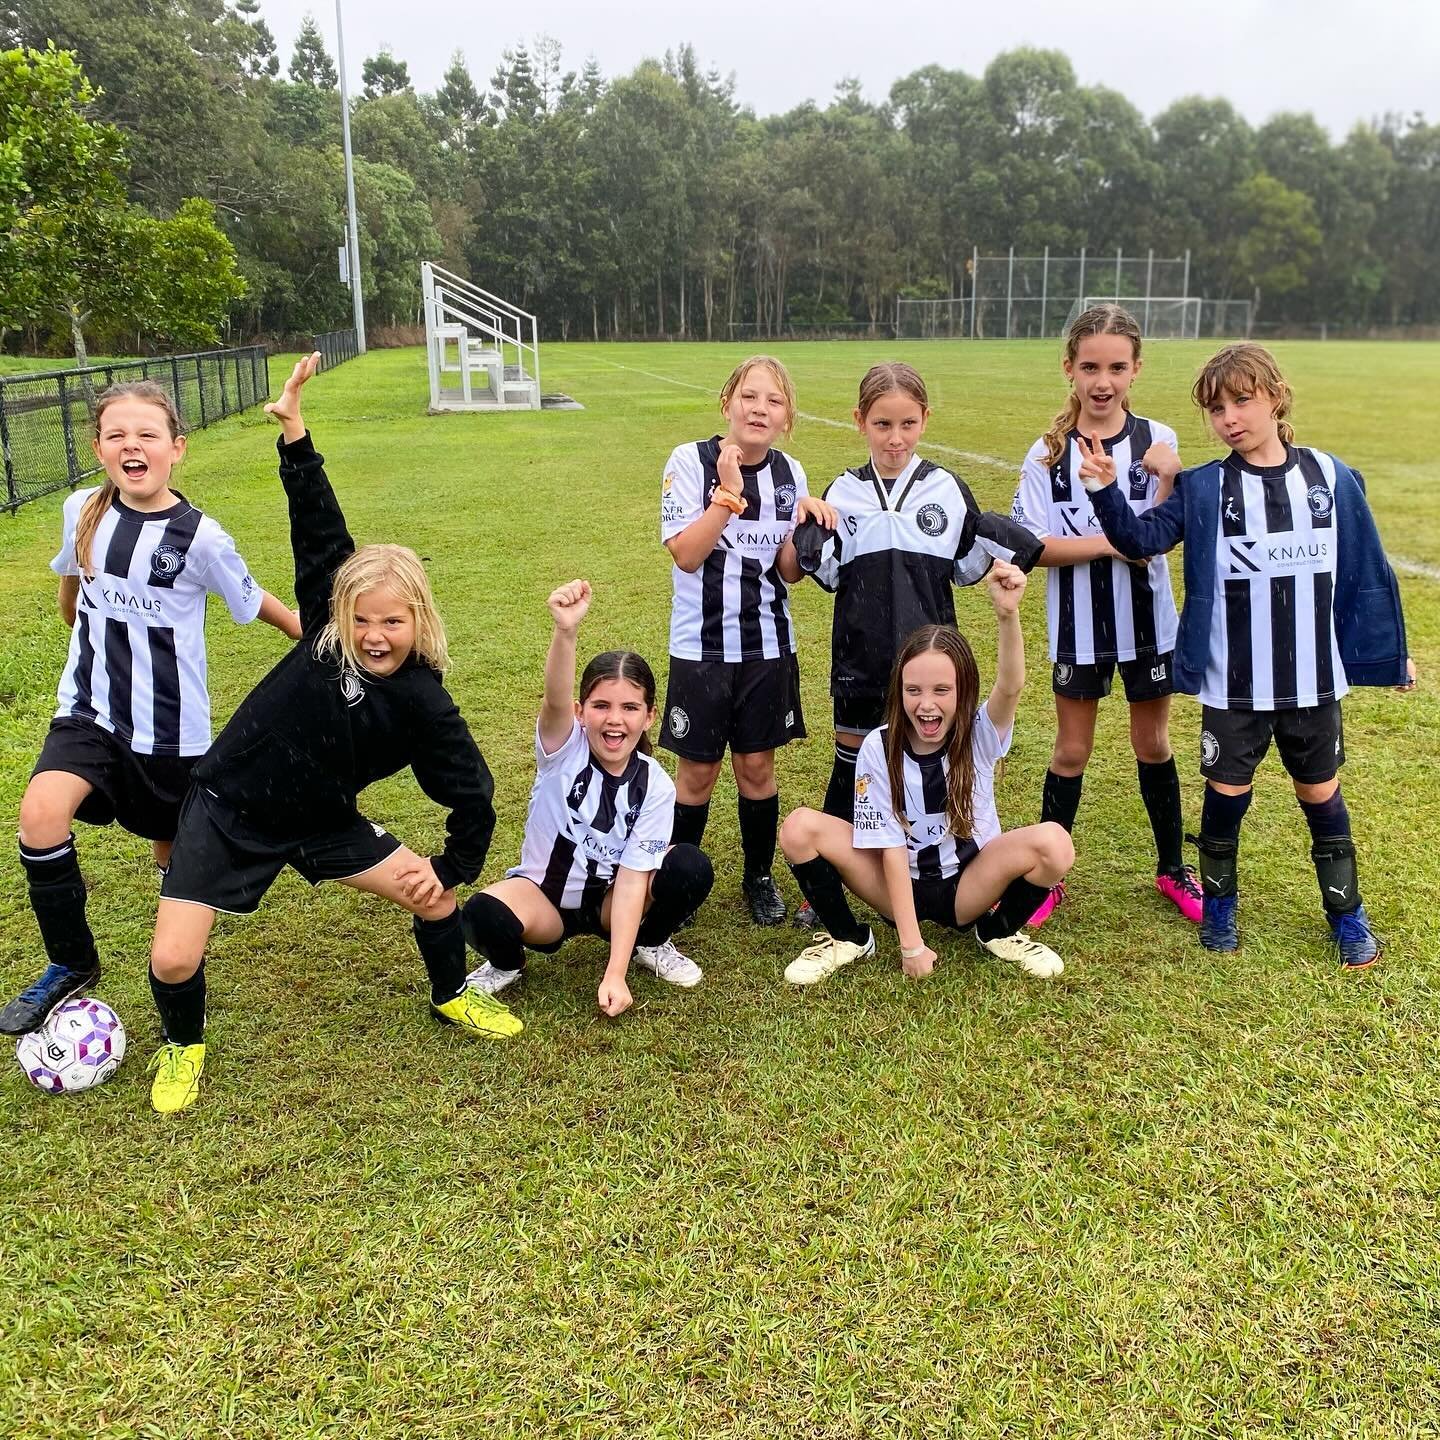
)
(1038, 961)
(826, 956)
(666, 963)
(489, 980)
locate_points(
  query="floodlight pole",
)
(353, 238)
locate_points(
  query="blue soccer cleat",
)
(1217, 923)
(1359, 944)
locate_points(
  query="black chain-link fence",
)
(336, 347)
(46, 420)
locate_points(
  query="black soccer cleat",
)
(27, 1011)
(766, 906)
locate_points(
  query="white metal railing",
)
(514, 333)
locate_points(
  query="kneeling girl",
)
(926, 842)
(597, 857)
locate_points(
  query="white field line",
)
(1405, 566)
(969, 455)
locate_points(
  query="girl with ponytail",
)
(136, 564)
(1106, 614)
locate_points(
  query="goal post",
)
(1160, 317)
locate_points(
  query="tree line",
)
(654, 204)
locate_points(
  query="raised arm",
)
(318, 536)
(1007, 586)
(567, 605)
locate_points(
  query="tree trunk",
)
(594, 320)
(682, 300)
(77, 335)
(659, 303)
(707, 292)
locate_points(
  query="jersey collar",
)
(180, 506)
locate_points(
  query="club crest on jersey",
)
(679, 723)
(351, 688)
(1322, 502)
(1139, 481)
(166, 562)
(1209, 748)
(784, 501)
(932, 519)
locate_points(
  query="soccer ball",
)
(81, 1043)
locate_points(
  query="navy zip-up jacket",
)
(1369, 623)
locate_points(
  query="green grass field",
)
(1169, 1194)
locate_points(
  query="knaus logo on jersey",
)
(1078, 520)
(601, 848)
(120, 600)
(1291, 553)
(759, 542)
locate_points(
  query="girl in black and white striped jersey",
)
(136, 564)
(1105, 613)
(728, 506)
(926, 844)
(597, 857)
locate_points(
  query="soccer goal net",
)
(1161, 317)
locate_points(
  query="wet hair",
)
(782, 379)
(958, 746)
(621, 665)
(1242, 369)
(398, 569)
(93, 510)
(886, 379)
(1097, 320)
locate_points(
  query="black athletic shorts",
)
(749, 705)
(221, 859)
(141, 793)
(859, 713)
(1311, 743)
(935, 895)
(583, 920)
(1144, 679)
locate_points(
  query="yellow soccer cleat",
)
(177, 1077)
(480, 1014)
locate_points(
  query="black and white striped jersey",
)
(934, 852)
(136, 665)
(1272, 632)
(1102, 609)
(902, 544)
(583, 821)
(735, 606)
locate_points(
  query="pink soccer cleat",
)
(1182, 889)
(1046, 907)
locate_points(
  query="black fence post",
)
(220, 370)
(175, 384)
(12, 496)
(200, 390)
(67, 430)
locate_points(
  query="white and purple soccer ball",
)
(81, 1044)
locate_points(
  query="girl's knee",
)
(755, 771)
(1054, 845)
(797, 834)
(45, 818)
(171, 962)
(1070, 756)
(440, 909)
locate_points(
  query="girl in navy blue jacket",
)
(1289, 600)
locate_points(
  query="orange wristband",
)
(733, 503)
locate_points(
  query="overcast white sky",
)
(1343, 62)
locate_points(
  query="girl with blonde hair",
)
(359, 698)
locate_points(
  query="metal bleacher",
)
(483, 352)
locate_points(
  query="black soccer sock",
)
(1015, 906)
(442, 948)
(495, 930)
(821, 885)
(181, 1007)
(1333, 852)
(1160, 790)
(57, 895)
(1060, 799)
(1220, 819)
(679, 889)
(689, 825)
(759, 825)
(840, 793)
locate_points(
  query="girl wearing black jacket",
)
(360, 697)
